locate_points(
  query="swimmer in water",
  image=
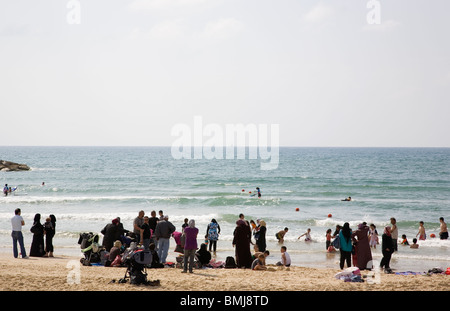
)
(259, 192)
(307, 235)
(347, 199)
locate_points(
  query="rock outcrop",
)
(7, 166)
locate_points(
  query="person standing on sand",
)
(146, 234)
(137, 224)
(394, 234)
(386, 248)
(163, 232)
(241, 243)
(17, 223)
(212, 232)
(152, 222)
(190, 246)
(443, 233)
(345, 240)
(37, 244)
(49, 231)
(361, 238)
(261, 242)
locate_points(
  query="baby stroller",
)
(90, 248)
(137, 262)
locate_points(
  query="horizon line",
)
(222, 146)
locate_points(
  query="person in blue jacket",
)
(345, 239)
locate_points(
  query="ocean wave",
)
(206, 200)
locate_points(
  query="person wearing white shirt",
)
(17, 222)
(285, 258)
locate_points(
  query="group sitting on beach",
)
(153, 234)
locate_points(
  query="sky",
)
(341, 73)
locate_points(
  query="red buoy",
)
(297, 209)
(329, 215)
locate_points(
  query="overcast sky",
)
(133, 69)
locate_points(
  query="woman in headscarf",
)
(213, 231)
(363, 253)
(261, 242)
(241, 242)
(387, 248)
(203, 255)
(345, 239)
(49, 230)
(37, 245)
(190, 246)
(111, 233)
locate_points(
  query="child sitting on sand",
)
(285, 258)
(259, 263)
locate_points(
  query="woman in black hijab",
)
(241, 242)
(49, 229)
(37, 245)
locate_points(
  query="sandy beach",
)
(60, 274)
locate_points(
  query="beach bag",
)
(230, 263)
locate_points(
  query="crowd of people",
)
(154, 234)
(40, 247)
(356, 245)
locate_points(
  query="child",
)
(421, 233)
(404, 240)
(373, 236)
(285, 258)
(414, 245)
(259, 263)
(280, 235)
(185, 224)
(307, 235)
(328, 239)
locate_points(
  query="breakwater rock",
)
(7, 166)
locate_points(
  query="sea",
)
(87, 187)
